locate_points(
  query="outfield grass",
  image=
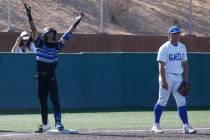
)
(93, 120)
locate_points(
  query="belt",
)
(43, 74)
(175, 74)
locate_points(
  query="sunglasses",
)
(24, 41)
(175, 33)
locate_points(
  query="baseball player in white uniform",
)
(173, 69)
(24, 44)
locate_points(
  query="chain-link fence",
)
(201, 17)
(145, 17)
(148, 17)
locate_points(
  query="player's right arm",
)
(162, 74)
(35, 33)
(16, 46)
(162, 58)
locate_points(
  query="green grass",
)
(91, 120)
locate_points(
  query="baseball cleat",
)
(43, 128)
(189, 130)
(59, 126)
(156, 129)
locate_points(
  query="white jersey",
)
(27, 50)
(173, 56)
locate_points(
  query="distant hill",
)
(146, 17)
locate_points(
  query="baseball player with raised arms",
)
(48, 47)
(173, 70)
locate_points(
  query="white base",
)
(65, 131)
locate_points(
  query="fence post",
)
(9, 10)
(101, 16)
(190, 17)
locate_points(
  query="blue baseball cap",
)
(174, 30)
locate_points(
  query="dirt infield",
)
(169, 134)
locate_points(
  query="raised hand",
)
(80, 16)
(78, 19)
(28, 8)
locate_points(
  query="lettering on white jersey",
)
(176, 57)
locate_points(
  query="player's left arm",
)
(185, 65)
(186, 70)
(67, 35)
